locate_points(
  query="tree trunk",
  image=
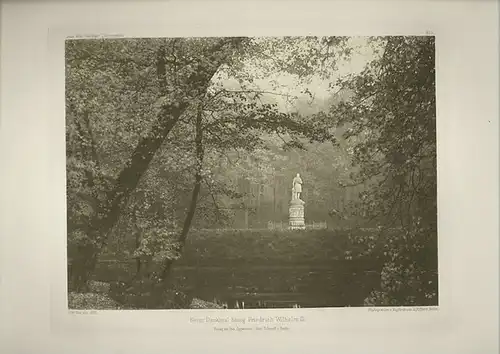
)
(138, 238)
(194, 196)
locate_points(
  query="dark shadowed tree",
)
(392, 116)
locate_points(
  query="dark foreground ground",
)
(343, 283)
(267, 269)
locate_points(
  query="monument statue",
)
(296, 187)
(296, 211)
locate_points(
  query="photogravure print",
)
(251, 173)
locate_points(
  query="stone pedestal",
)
(296, 215)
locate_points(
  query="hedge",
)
(264, 247)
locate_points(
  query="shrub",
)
(91, 301)
(201, 304)
(98, 287)
(409, 276)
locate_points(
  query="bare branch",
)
(262, 92)
(93, 144)
(216, 205)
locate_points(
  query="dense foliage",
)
(393, 110)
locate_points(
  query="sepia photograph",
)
(251, 172)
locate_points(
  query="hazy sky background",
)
(362, 53)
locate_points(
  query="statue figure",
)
(296, 210)
(296, 187)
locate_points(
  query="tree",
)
(392, 116)
(142, 90)
(191, 64)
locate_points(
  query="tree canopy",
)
(392, 115)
